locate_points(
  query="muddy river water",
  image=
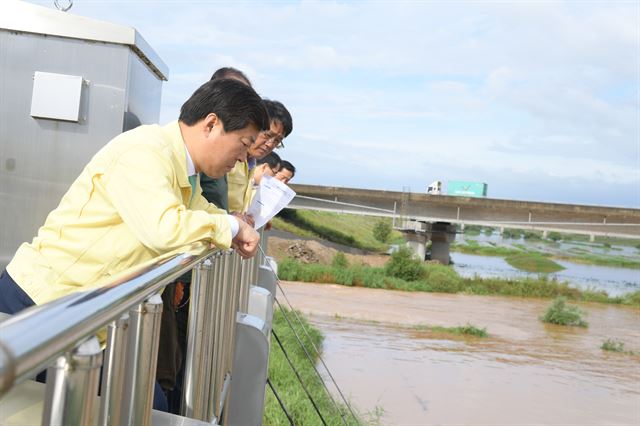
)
(526, 372)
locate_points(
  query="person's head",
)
(280, 127)
(286, 172)
(232, 73)
(268, 165)
(219, 122)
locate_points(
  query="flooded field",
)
(525, 372)
(615, 281)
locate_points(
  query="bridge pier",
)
(441, 235)
(417, 242)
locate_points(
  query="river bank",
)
(615, 281)
(524, 372)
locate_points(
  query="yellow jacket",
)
(240, 182)
(131, 203)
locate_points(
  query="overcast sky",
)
(539, 99)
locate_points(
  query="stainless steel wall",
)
(39, 158)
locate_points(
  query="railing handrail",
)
(31, 339)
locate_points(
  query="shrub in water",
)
(404, 265)
(472, 330)
(612, 345)
(562, 314)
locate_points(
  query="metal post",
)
(113, 371)
(229, 281)
(198, 374)
(221, 289)
(233, 283)
(394, 215)
(142, 358)
(244, 284)
(72, 386)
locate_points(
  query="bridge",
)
(424, 217)
(570, 218)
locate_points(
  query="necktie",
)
(192, 181)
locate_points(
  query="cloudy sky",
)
(539, 99)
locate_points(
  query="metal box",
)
(68, 84)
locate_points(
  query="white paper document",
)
(271, 197)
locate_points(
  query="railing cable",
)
(333, 380)
(335, 405)
(284, 409)
(313, 402)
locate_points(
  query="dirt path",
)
(323, 251)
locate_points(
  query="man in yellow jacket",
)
(240, 178)
(139, 197)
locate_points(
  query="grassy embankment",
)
(289, 388)
(350, 230)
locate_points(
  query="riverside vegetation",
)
(289, 389)
(403, 272)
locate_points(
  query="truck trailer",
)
(459, 188)
(466, 189)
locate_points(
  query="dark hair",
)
(236, 105)
(277, 112)
(273, 160)
(288, 166)
(230, 72)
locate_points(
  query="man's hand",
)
(246, 241)
(246, 217)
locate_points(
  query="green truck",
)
(466, 189)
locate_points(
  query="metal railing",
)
(61, 336)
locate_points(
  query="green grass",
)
(464, 330)
(632, 242)
(289, 389)
(351, 230)
(562, 314)
(437, 278)
(602, 260)
(473, 247)
(533, 262)
(283, 225)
